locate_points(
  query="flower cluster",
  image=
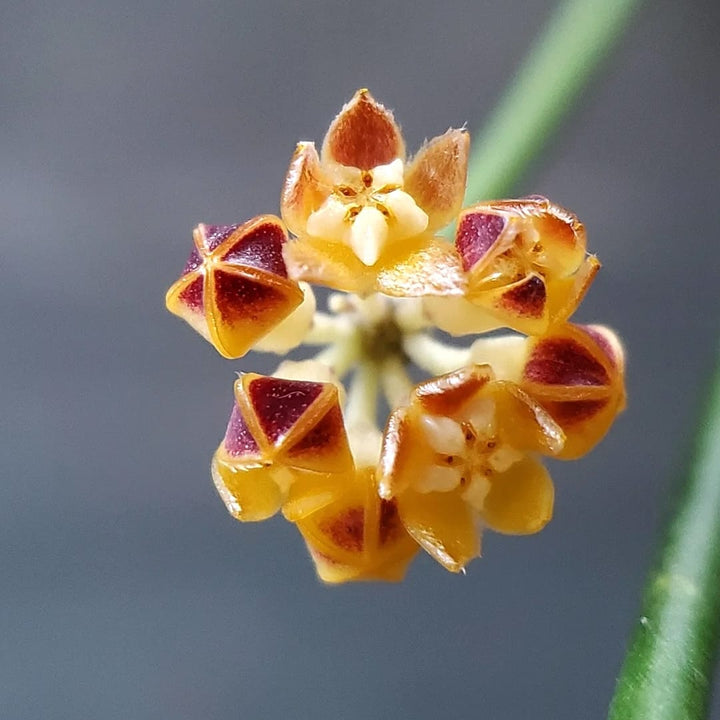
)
(460, 451)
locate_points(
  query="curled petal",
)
(442, 524)
(520, 500)
(363, 135)
(437, 175)
(235, 287)
(250, 493)
(292, 330)
(305, 188)
(358, 536)
(577, 374)
(285, 443)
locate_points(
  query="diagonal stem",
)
(576, 39)
(668, 670)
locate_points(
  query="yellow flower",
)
(235, 288)
(359, 209)
(459, 457)
(459, 452)
(285, 447)
(525, 267)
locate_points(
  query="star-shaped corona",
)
(461, 451)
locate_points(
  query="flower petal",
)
(358, 536)
(443, 525)
(250, 493)
(520, 500)
(235, 287)
(577, 374)
(363, 135)
(292, 330)
(429, 267)
(437, 175)
(305, 188)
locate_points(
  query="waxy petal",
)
(305, 188)
(520, 500)
(443, 525)
(363, 135)
(437, 175)
(235, 287)
(358, 536)
(250, 493)
(577, 375)
(292, 330)
(285, 443)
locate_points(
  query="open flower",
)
(285, 447)
(459, 457)
(524, 264)
(359, 208)
(235, 288)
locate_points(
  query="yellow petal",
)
(292, 330)
(458, 316)
(520, 500)
(437, 175)
(443, 525)
(250, 493)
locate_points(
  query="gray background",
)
(128, 592)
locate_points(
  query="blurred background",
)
(127, 589)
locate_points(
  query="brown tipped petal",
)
(437, 175)
(364, 135)
(520, 500)
(305, 188)
(242, 306)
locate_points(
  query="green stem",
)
(577, 38)
(667, 674)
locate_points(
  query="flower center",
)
(468, 452)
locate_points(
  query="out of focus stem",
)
(668, 670)
(575, 40)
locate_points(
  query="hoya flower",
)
(358, 536)
(525, 267)
(459, 452)
(285, 447)
(460, 456)
(359, 208)
(235, 288)
(576, 372)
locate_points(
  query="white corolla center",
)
(468, 453)
(368, 210)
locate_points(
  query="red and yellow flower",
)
(460, 452)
